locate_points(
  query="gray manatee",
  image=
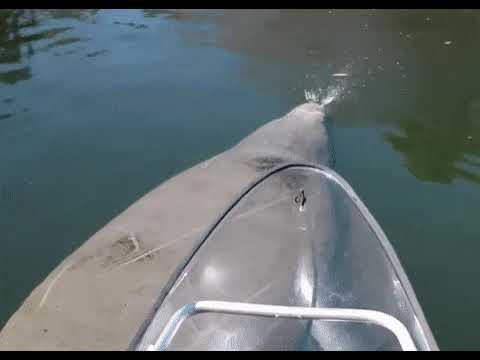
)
(100, 295)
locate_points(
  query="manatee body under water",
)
(100, 295)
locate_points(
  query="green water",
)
(98, 107)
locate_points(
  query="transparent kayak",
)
(296, 263)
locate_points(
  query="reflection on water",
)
(440, 149)
(410, 68)
(18, 41)
(11, 41)
(88, 97)
(413, 69)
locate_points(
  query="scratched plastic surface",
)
(297, 238)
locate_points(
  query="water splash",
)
(332, 93)
(312, 95)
